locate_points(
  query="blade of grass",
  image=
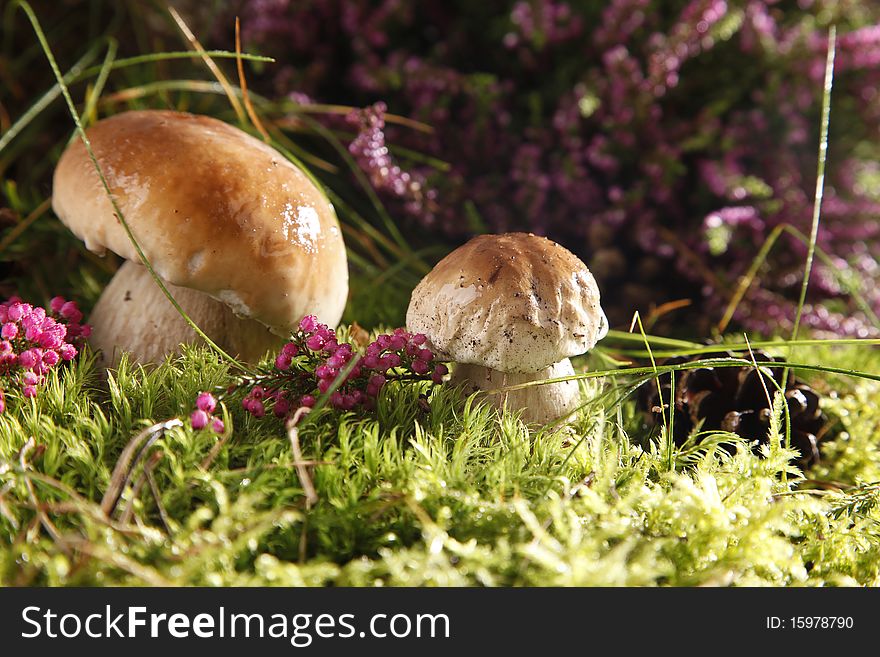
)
(624, 336)
(78, 74)
(817, 205)
(760, 344)
(126, 62)
(820, 177)
(212, 66)
(24, 224)
(833, 268)
(695, 364)
(667, 431)
(318, 108)
(242, 81)
(89, 114)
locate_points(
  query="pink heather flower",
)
(15, 312)
(258, 393)
(67, 351)
(56, 303)
(336, 361)
(315, 343)
(206, 402)
(9, 331)
(419, 338)
(336, 399)
(426, 354)
(308, 324)
(29, 392)
(282, 362)
(397, 342)
(282, 407)
(324, 385)
(290, 350)
(70, 312)
(325, 372)
(2, 401)
(217, 425)
(32, 333)
(51, 358)
(307, 400)
(29, 358)
(419, 366)
(198, 419)
(53, 338)
(257, 409)
(390, 361)
(5, 347)
(36, 316)
(371, 362)
(439, 372)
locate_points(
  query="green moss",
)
(454, 495)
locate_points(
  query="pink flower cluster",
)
(372, 155)
(33, 341)
(315, 363)
(203, 416)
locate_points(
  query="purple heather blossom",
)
(613, 127)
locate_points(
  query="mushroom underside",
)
(540, 404)
(133, 315)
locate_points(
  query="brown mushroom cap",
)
(213, 209)
(515, 302)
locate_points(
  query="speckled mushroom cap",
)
(213, 209)
(515, 302)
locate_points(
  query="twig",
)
(151, 463)
(4, 508)
(154, 488)
(301, 470)
(302, 473)
(124, 465)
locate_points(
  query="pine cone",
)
(734, 399)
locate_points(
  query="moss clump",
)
(456, 494)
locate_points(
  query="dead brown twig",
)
(134, 451)
(302, 471)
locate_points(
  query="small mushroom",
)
(510, 309)
(243, 239)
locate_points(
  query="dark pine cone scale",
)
(734, 399)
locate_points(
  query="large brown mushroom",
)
(511, 309)
(243, 239)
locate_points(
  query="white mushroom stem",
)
(133, 315)
(540, 404)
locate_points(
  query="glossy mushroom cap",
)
(213, 209)
(515, 302)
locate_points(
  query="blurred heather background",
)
(662, 141)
